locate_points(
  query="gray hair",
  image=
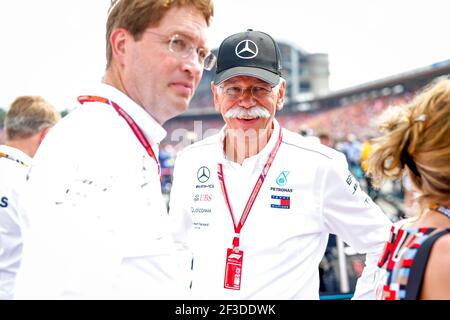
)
(29, 115)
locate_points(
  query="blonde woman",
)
(416, 143)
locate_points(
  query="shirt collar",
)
(16, 154)
(264, 153)
(153, 131)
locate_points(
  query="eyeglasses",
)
(183, 47)
(258, 92)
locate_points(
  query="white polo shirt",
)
(97, 220)
(13, 170)
(307, 194)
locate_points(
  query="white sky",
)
(54, 48)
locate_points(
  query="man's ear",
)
(216, 97)
(118, 41)
(280, 96)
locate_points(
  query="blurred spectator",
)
(167, 161)
(352, 150)
(26, 124)
(366, 151)
(327, 269)
(326, 139)
(308, 133)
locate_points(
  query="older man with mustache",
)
(254, 205)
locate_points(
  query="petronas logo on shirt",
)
(282, 178)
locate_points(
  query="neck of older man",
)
(241, 144)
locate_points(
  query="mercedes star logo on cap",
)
(246, 49)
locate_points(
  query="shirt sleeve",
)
(350, 214)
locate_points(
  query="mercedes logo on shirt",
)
(203, 174)
(246, 49)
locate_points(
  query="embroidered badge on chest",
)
(280, 202)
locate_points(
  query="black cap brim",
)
(259, 73)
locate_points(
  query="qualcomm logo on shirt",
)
(200, 210)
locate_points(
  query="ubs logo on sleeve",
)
(3, 202)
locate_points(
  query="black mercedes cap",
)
(249, 53)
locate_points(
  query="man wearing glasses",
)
(255, 204)
(96, 218)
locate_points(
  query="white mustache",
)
(247, 113)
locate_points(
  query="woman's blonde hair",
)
(137, 15)
(417, 136)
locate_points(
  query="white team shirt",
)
(12, 177)
(96, 217)
(307, 194)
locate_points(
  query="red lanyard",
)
(136, 130)
(253, 195)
